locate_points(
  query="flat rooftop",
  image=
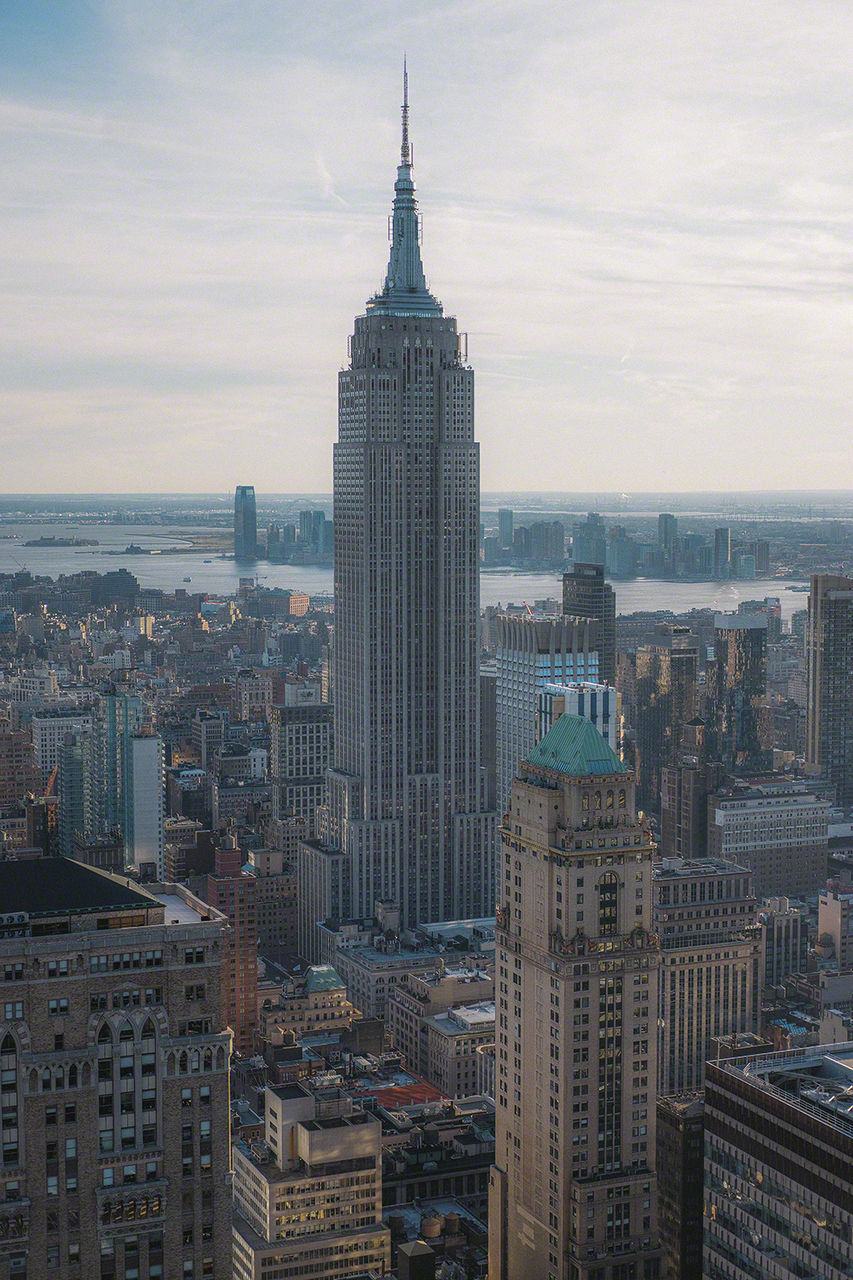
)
(58, 886)
(178, 911)
(818, 1079)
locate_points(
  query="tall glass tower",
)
(245, 523)
(407, 800)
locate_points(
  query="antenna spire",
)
(405, 151)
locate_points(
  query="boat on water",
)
(187, 579)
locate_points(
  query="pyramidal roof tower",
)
(406, 820)
(405, 290)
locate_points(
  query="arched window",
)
(610, 799)
(72, 1077)
(104, 1036)
(608, 905)
(10, 1154)
(598, 799)
(585, 802)
(622, 798)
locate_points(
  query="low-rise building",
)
(452, 1040)
(784, 939)
(308, 1200)
(314, 1001)
(779, 830)
(420, 996)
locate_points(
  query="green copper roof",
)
(574, 746)
(322, 977)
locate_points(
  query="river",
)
(208, 573)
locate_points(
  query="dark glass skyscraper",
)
(407, 797)
(588, 594)
(829, 654)
(245, 523)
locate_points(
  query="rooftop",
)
(575, 747)
(322, 977)
(53, 886)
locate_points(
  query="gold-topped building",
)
(573, 1191)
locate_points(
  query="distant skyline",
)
(639, 212)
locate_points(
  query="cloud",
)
(642, 221)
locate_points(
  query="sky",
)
(639, 212)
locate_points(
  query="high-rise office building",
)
(505, 528)
(587, 594)
(680, 1136)
(407, 796)
(667, 535)
(300, 754)
(664, 702)
(779, 1165)
(573, 1189)
(78, 790)
(245, 523)
(710, 975)
(829, 658)
(114, 1060)
(233, 891)
(534, 652)
(601, 704)
(737, 689)
(722, 552)
(145, 805)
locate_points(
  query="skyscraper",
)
(587, 594)
(572, 1194)
(534, 652)
(737, 687)
(114, 1064)
(722, 552)
(407, 799)
(829, 657)
(505, 528)
(245, 523)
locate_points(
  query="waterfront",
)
(208, 573)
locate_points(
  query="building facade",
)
(680, 1139)
(407, 799)
(779, 1165)
(145, 805)
(779, 830)
(710, 975)
(532, 653)
(573, 1192)
(588, 594)
(737, 688)
(116, 1125)
(308, 1200)
(300, 755)
(245, 523)
(829, 664)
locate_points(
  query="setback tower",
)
(407, 801)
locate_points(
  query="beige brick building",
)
(114, 1066)
(573, 1189)
(419, 997)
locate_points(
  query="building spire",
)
(405, 290)
(405, 152)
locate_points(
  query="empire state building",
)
(407, 811)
